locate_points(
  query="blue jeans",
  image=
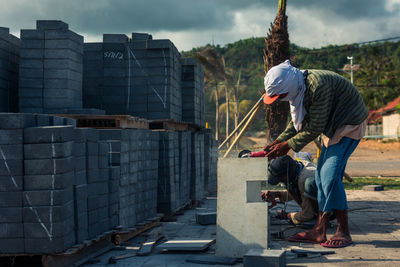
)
(329, 174)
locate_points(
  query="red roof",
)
(391, 105)
(375, 116)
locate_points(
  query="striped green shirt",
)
(330, 101)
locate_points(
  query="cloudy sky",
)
(193, 23)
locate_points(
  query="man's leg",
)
(332, 186)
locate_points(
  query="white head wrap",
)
(282, 79)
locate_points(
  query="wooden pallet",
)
(172, 125)
(123, 236)
(76, 255)
(108, 121)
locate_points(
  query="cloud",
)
(191, 23)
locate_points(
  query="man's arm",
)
(318, 118)
(288, 133)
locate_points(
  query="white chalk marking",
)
(165, 79)
(8, 168)
(38, 217)
(163, 101)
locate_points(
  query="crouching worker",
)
(299, 178)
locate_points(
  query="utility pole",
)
(351, 68)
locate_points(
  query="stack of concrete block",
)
(192, 92)
(9, 69)
(11, 181)
(106, 75)
(48, 200)
(156, 76)
(185, 167)
(210, 161)
(167, 201)
(80, 187)
(112, 139)
(98, 189)
(127, 189)
(50, 79)
(147, 174)
(140, 77)
(197, 191)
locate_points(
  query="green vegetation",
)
(378, 78)
(358, 183)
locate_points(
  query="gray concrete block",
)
(48, 182)
(11, 183)
(11, 215)
(10, 137)
(264, 257)
(48, 134)
(66, 34)
(43, 25)
(45, 245)
(9, 152)
(12, 245)
(10, 199)
(80, 163)
(16, 121)
(32, 35)
(81, 206)
(48, 214)
(136, 36)
(11, 230)
(98, 188)
(205, 218)
(36, 230)
(81, 177)
(81, 192)
(45, 197)
(48, 151)
(48, 166)
(11, 167)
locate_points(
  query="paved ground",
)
(374, 223)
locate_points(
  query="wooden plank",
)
(108, 121)
(147, 247)
(81, 255)
(168, 125)
(123, 236)
(186, 245)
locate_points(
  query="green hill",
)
(377, 78)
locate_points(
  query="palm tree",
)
(213, 65)
(276, 51)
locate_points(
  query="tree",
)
(276, 51)
(211, 62)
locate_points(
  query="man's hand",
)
(282, 215)
(270, 196)
(278, 150)
(268, 148)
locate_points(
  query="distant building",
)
(384, 121)
(391, 118)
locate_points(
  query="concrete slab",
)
(242, 221)
(186, 245)
(265, 257)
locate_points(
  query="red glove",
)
(278, 150)
(268, 148)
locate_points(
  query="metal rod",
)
(243, 130)
(241, 123)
